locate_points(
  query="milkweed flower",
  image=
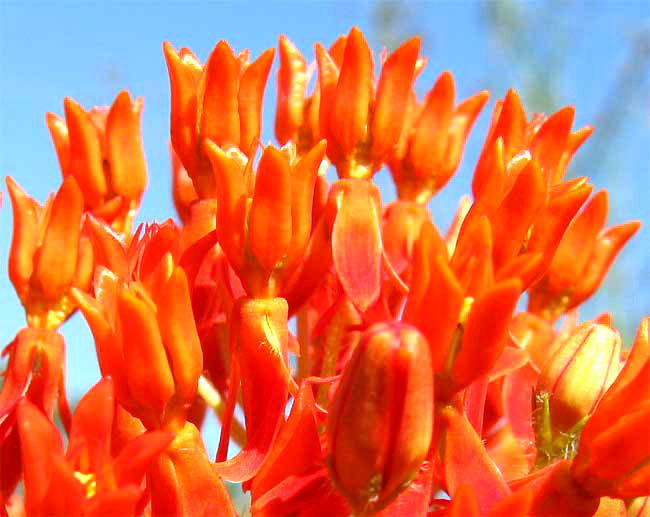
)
(264, 221)
(102, 150)
(35, 372)
(432, 140)
(87, 480)
(581, 261)
(361, 121)
(518, 186)
(144, 330)
(220, 101)
(49, 254)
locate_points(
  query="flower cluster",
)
(363, 362)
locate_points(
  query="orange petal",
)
(183, 79)
(89, 440)
(61, 140)
(137, 455)
(464, 503)
(251, 94)
(467, 462)
(395, 83)
(25, 236)
(124, 148)
(564, 201)
(85, 154)
(462, 121)
(57, 261)
(292, 87)
(608, 244)
(576, 247)
(349, 116)
(429, 142)
(517, 212)
(107, 246)
(549, 142)
(489, 175)
(217, 109)
(269, 234)
(444, 298)
(179, 336)
(261, 332)
(485, 332)
(183, 481)
(511, 125)
(39, 441)
(573, 143)
(303, 181)
(149, 377)
(231, 202)
(328, 75)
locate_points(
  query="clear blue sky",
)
(89, 51)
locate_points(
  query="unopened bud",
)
(577, 375)
(381, 419)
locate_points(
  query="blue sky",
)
(90, 51)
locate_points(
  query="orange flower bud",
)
(48, 254)
(102, 150)
(577, 375)
(220, 101)
(362, 122)
(432, 141)
(583, 256)
(381, 419)
(264, 220)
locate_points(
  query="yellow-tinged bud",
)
(583, 366)
(580, 371)
(381, 420)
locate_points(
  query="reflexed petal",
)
(356, 242)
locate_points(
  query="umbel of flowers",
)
(363, 361)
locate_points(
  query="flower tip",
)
(482, 97)
(170, 54)
(123, 98)
(12, 186)
(355, 32)
(446, 77)
(70, 105)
